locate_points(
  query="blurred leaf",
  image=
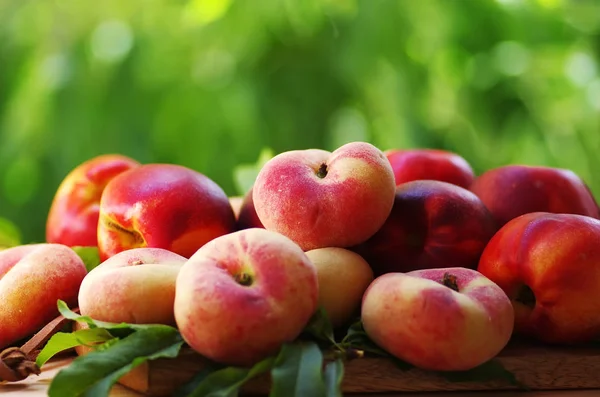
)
(226, 382)
(320, 326)
(298, 371)
(492, 370)
(89, 255)
(245, 174)
(334, 375)
(10, 236)
(357, 338)
(95, 373)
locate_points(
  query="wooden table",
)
(36, 386)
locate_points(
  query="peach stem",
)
(243, 279)
(449, 280)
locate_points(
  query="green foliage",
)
(300, 368)
(96, 372)
(62, 341)
(10, 235)
(89, 255)
(209, 84)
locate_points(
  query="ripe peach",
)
(343, 278)
(247, 217)
(321, 199)
(514, 190)
(134, 286)
(431, 164)
(244, 294)
(549, 266)
(33, 278)
(162, 206)
(433, 224)
(73, 215)
(236, 204)
(451, 319)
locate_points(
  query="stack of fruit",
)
(441, 266)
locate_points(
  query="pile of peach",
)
(442, 266)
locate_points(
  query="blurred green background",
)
(209, 83)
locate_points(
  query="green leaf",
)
(89, 255)
(334, 374)
(94, 374)
(298, 371)
(10, 235)
(320, 326)
(357, 338)
(244, 175)
(226, 382)
(62, 341)
(492, 370)
(71, 315)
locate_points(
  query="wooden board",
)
(537, 367)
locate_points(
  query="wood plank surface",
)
(37, 386)
(537, 367)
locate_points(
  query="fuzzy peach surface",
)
(32, 279)
(342, 208)
(419, 320)
(134, 286)
(229, 322)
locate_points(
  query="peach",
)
(433, 224)
(162, 206)
(514, 190)
(244, 294)
(343, 278)
(325, 199)
(73, 215)
(430, 164)
(248, 218)
(549, 266)
(451, 319)
(33, 278)
(136, 286)
(236, 204)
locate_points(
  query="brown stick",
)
(17, 363)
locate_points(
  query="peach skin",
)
(433, 224)
(549, 266)
(162, 206)
(514, 190)
(244, 294)
(325, 199)
(32, 279)
(136, 286)
(451, 319)
(430, 164)
(247, 217)
(73, 215)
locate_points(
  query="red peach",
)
(321, 199)
(431, 164)
(514, 190)
(549, 266)
(162, 206)
(73, 215)
(433, 224)
(248, 218)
